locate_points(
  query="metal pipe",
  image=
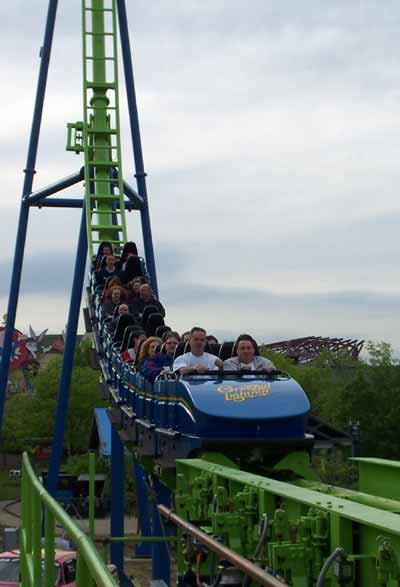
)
(224, 552)
(133, 196)
(137, 145)
(68, 359)
(24, 212)
(53, 188)
(59, 203)
(49, 568)
(92, 474)
(71, 203)
(138, 538)
(327, 565)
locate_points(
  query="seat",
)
(181, 349)
(123, 321)
(152, 323)
(214, 348)
(130, 330)
(136, 363)
(133, 268)
(147, 311)
(161, 330)
(132, 334)
(107, 281)
(164, 336)
(96, 278)
(226, 350)
(129, 247)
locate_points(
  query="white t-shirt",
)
(206, 360)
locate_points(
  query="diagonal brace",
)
(133, 196)
(53, 188)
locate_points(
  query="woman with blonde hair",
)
(148, 351)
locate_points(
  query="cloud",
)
(271, 142)
(42, 274)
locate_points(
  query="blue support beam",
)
(144, 549)
(24, 212)
(137, 145)
(71, 203)
(160, 558)
(68, 358)
(164, 497)
(58, 186)
(59, 203)
(117, 500)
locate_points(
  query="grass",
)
(9, 488)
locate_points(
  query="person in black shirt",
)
(109, 271)
(145, 299)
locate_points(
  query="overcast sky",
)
(271, 137)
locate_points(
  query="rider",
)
(247, 357)
(197, 361)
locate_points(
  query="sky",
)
(271, 140)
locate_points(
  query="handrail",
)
(238, 561)
(35, 502)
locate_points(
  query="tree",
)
(17, 424)
(341, 390)
(84, 397)
(27, 417)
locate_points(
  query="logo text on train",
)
(240, 393)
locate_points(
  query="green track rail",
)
(38, 564)
(98, 136)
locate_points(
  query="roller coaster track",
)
(307, 519)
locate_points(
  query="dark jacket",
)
(102, 275)
(109, 307)
(138, 306)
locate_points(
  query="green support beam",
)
(374, 501)
(98, 136)
(304, 526)
(379, 477)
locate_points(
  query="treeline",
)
(29, 418)
(342, 390)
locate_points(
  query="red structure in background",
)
(58, 346)
(19, 351)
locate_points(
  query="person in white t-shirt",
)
(197, 361)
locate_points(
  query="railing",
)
(36, 502)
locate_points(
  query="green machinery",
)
(305, 521)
